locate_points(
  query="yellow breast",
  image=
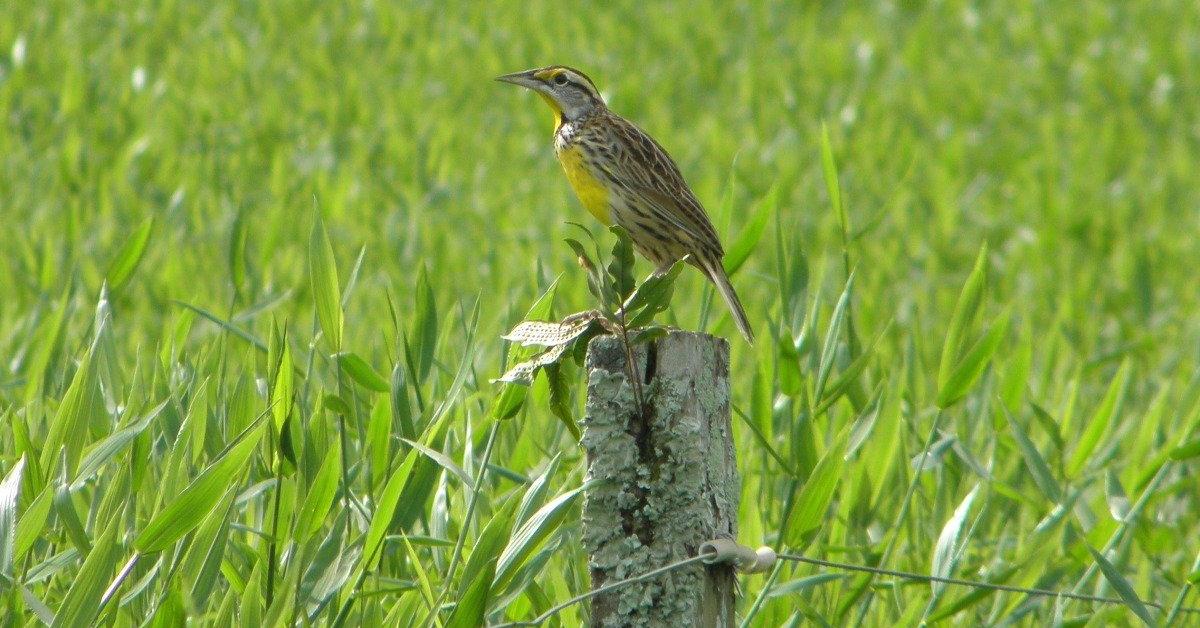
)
(588, 188)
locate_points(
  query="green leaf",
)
(848, 377)
(170, 612)
(36, 606)
(620, 267)
(803, 584)
(10, 492)
(1016, 373)
(82, 602)
(226, 325)
(526, 540)
(251, 606)
(946, 551)
(386, 509)
(335, 404)
(479, 570)
(423, 580)
(646, 335)
(967, 372)
(197, 420)
(595, 277)
(389, 500)
(884, 446)
(1098, 424)
(652, 296)
(1114, 495)
(1188, 450)
(323, 278)
(202, 562)
(864, 425)
(352, 281)
(401, 409)
(508, 403)
(379, 438)
(68, 518)
(69, 427)
(964, 312)
(829, 347)
(235, 255)
(815, 496)
(536, 491)
(1000, 576)
(45, 345)
(425, 326)
(115, 443)
(829, 171)
(1122, 587)
(1194, 576)
(420, 487)
(580, 252)
(127, 259)
(47, 569)
(1049, 425)
(761, 439)
(543, 306)
(283, 387)
(751, 233)
(760, 397)
(1038, 469)
(189, 508)
(283, 399)
(32, 522)
(443, 461)
(361, 372)
(320, 494)
(491, 542)
(787, 366)
(581, 255)
(330, 567)
(473, 602)
(560, 398)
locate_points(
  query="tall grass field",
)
(256, 260)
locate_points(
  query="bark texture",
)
(664, 479)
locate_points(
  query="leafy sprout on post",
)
(625, 308)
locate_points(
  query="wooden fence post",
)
(664, 479)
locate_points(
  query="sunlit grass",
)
(176, 428)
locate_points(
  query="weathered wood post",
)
(665, 479)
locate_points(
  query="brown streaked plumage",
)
(622, 176)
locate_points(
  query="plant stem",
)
(908, 495)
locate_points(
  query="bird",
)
(623, 176)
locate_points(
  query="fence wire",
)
(906, 575)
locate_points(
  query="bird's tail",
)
(716, 272)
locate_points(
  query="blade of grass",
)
(1123, 588)
(1098, 424)
(323, 280)
(964, 312)
(82, 602)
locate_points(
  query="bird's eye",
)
(560, 79)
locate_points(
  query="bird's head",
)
(569, 92)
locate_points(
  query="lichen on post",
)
(664, 479)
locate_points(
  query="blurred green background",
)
(180, 151)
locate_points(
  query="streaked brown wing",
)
(647, 170)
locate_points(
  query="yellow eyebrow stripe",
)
(547, 74)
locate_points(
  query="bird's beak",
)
(524, 79)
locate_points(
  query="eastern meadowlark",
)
(622, 176)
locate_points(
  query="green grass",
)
(180, 151)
